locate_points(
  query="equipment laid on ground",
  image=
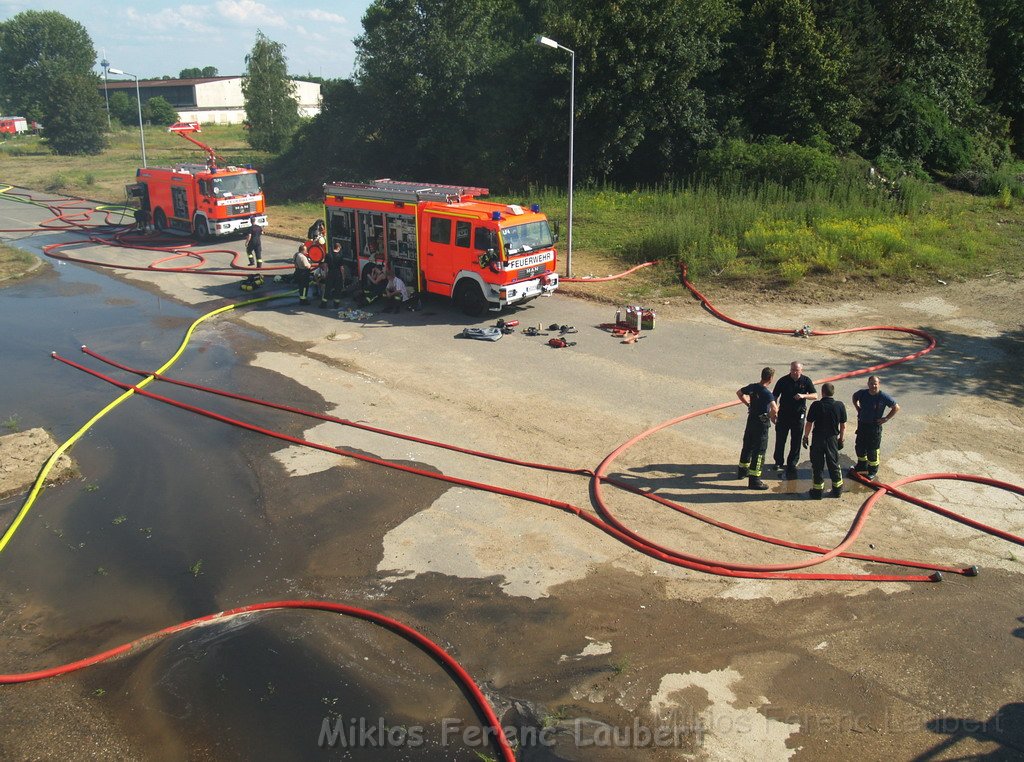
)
(638, 318)
(485, 334)
(443, 240)
(205, 200)
(560, 343)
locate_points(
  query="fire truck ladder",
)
(396, 190)
(184, 128)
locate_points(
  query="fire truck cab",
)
(483, 255)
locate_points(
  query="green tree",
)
(194, 72)
(789, 75)
(37, 48)
(641, 109)
(1004, 27)
(270, 106)
(939, 48)
(157, 110)
(123, 108)
(77, 126)
(427, 71)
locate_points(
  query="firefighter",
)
(395, 291)
(827, 420)
(334, 281)
(373, 283)
(871, 404)
(792, 392)
(316, 231)
(303, 272)
(254, 243)
(254, 251)
(762, 411)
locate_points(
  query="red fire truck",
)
(444, 240)
(12, 125)
(205, 200)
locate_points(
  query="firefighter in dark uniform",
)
(871, 404)
(826, 429)
(762, 411)
(334, 282)
(254, 250)
(791, 392)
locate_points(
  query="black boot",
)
(741, 472)
(816, 494)
(754, 482)
(836, 491)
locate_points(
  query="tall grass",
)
(728, 228)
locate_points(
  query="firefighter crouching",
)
(826, 429)
(763, 411)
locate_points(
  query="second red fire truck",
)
(443, 240)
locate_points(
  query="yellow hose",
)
(37, 486)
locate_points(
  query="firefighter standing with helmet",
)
(871, 404)
(254, 251)
(827, 420)
(763, 411)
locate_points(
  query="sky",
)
(152, 38)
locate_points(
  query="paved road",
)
(550, 613)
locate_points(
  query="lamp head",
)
(545, 41)
(116, 71)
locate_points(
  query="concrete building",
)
(211, 100)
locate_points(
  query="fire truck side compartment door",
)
(438, 263)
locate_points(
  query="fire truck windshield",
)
(225, 186)
(527, 237)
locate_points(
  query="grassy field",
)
(769, 237)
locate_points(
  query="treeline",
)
(456, 91)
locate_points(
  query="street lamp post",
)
(138, 97)
(106, 96)
(549, 43)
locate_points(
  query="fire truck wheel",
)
(202, 228)
(159, 219)
(470, 299)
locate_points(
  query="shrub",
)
(58, 182)
(736, 162)
(792, 270)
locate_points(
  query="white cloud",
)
(322, 17)
(249, 12)
(184, 18)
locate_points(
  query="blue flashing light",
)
(534, 208)
(495, 215)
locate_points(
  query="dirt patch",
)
(23, 454)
